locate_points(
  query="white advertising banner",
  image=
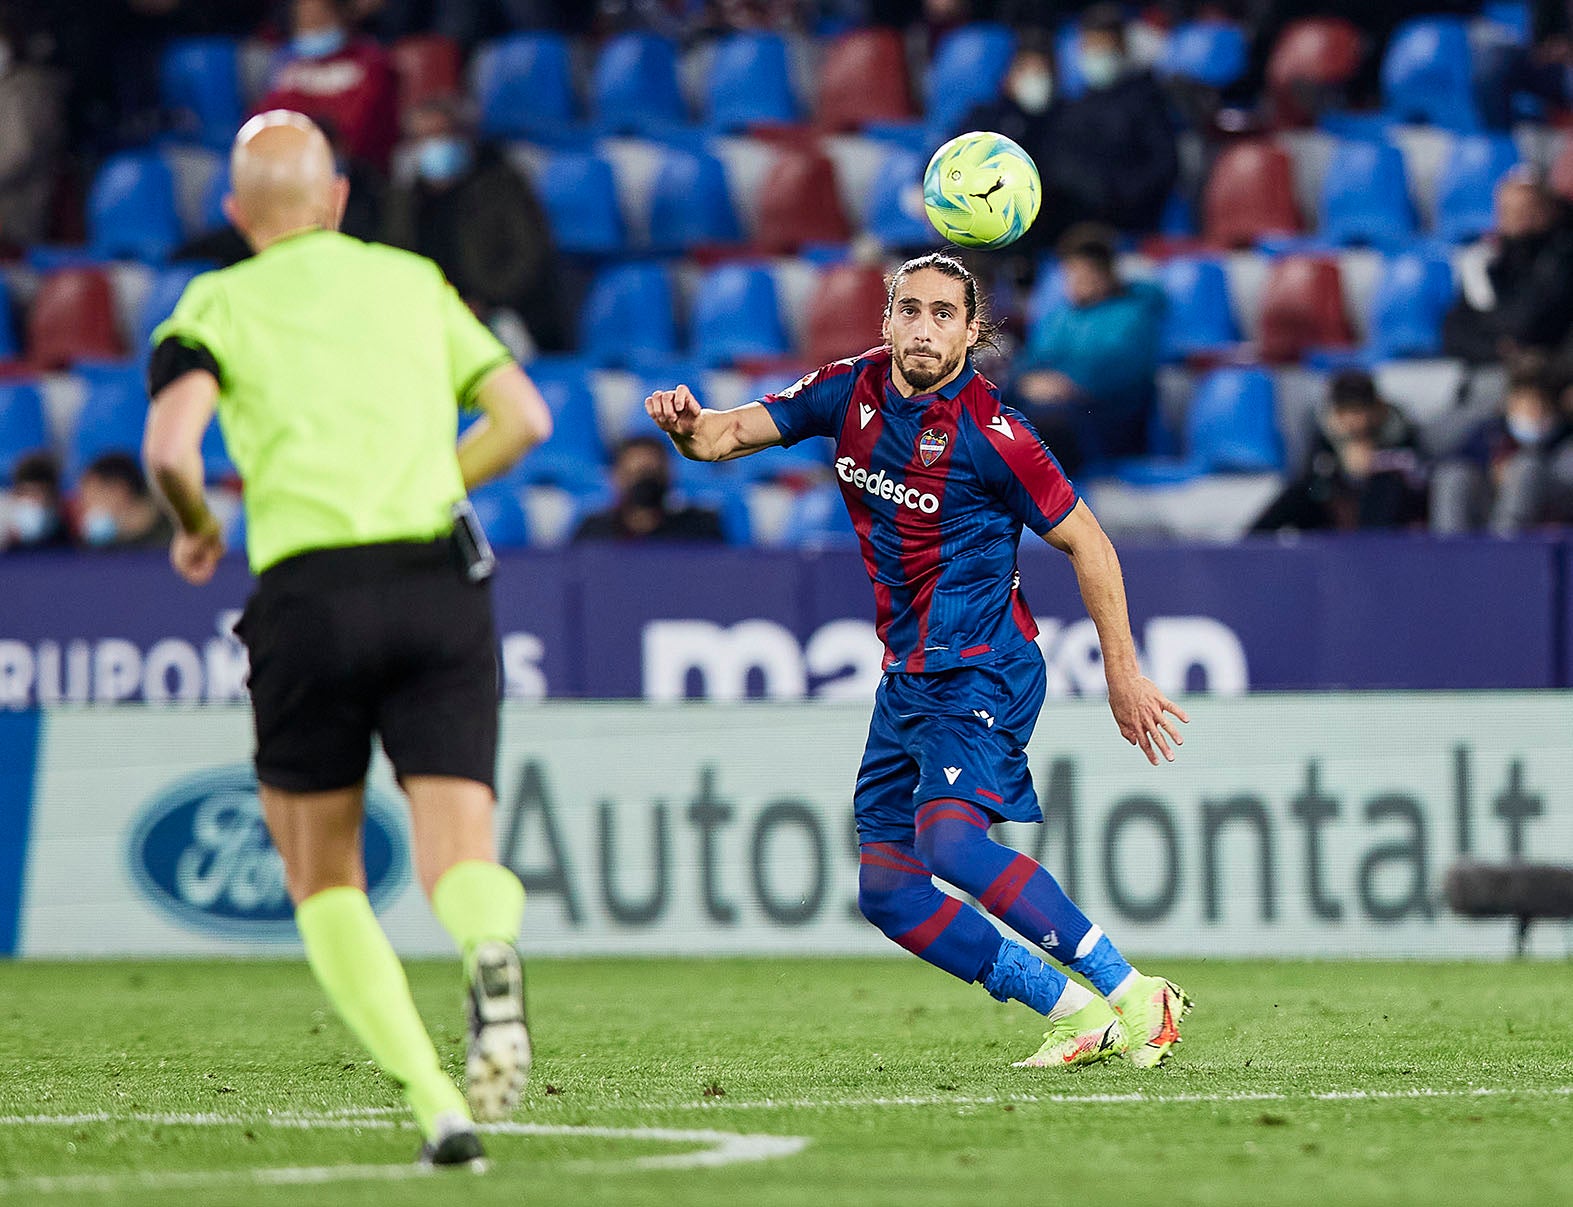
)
(1306, 825)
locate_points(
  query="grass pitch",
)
(795, 1082)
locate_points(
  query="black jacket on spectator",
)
(1324, 496)
(1532, 277)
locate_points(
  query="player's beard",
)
(924, 373)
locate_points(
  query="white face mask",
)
(1032, 90)
(30, 521)
(1100, 68)
(1528, 432)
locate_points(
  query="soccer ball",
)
(981, 190)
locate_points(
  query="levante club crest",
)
(931, 446)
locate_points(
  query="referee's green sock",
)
(478, 902)
(356, 966)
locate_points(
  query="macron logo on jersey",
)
(882, 486)
(865, 413)
(1002, 425)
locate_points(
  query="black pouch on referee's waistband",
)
(470, 546)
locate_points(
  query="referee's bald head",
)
(282, 178)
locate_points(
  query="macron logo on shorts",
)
(951, 773)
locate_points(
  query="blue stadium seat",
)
(691, 203)
(112, 416)
(629, 316)
(737, 316)
(501, 516)
(210, 214)
(199, 82)
(1232, 423)
(8, 345)
(1365, 199)
(22, 426)
(634, 87)
(131, 209)
(573, 457)
(968, 68)
(1412, 296)
(168, 284)
(818, 520)
(523, 85)
(750, 83)
(1466, 185)
(580, 196)
(1426, 74)
(728, 495)
(1199, 316)
(1068, 80)
(1210, 52)
(895, 201)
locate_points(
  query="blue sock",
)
(1020, 975)
(1103, 966)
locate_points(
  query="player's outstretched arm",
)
(1139, 707)
(701, 434)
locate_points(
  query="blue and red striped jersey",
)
(938, 486)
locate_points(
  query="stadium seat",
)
(737, 316)
(1412, 296)
(1199, 316)
(112, 416)
(428, 67)
(1426, 74)
(1232, 423)
(691, 203)
(750, 83)
(1302, 308)
(580, 196)
(1466, 185)
(1249, 194)
(1560, 177)
(863, 79)
(210, 214)
(8, 345)
(523, 85)
(1365, 197)
(895, 201)
(199, 84)
(634, 87)
(968, 68)
(501, 516)
(167, 286)
(72, 319)
(1209, 52)
(844, 313)
(131, 209)
(573, 456)
(799, 203)
(629, 316)
(22, 426)
(1310, 64)
(818, 520)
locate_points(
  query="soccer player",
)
(939, 479)
(337, 368)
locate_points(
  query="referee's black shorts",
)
(384, 640)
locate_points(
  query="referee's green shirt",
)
(342, 365)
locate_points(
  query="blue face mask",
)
(99, 528)
(1100, 68)
(31, 521)
(318, 44)
(442, 160)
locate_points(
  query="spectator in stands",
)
(32, 133)
(1364, 470)
(33, 517)
(470, 210)
(642, 475)
(335, 77)
(1516, 470)
(1520, 296)
(1087, 377)
(115, 509)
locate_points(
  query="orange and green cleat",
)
(1091, 1034)
(1151, 1010)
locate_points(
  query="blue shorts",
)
(958, 733)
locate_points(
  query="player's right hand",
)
(675, 411)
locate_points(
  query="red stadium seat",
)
(1249, 194)
(73, 318)
(427, 66)
(799, 203)
(845, 314)
(1302, 308)
(864, 79)
(1311, 61)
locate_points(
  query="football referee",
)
(337, 369)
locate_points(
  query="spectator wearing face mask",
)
(470, 210)
(115, 509)
(31, 519)
(338, 79)
(642, 475)
(1516, 470)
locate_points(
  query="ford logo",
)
(200, 852)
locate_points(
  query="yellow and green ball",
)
(981, 190)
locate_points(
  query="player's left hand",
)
(195, 554)
(1139, 710)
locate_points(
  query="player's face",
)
(928, 329)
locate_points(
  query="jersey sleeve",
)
(1023, 473)
(199, 323)
(814, 405)
(473, 351)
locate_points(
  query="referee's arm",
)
(515, 418)
(172, 452)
